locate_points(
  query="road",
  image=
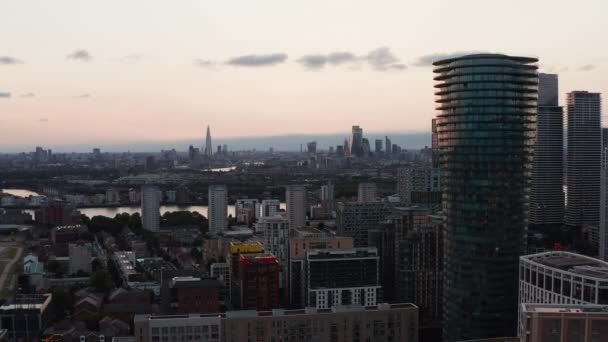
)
(6, 272)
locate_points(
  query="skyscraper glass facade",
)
(487, 106)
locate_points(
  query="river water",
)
(112, 211)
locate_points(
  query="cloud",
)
(8, 60)
(587, 67)
(43, 120)
(318, 61)
(427, 60)
(204, 63)
(83, 96)
(258, 60)
(80, 55)
(383, 59)
(4, 94)
(131, 59)
(27, 95)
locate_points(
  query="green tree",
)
(101, 281)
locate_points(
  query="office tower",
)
(487, 106)
(562, 322)
(603, 228)
(150, 208)
(276, 241)
(584, 158)
(257, 282)
(378, 148)
(365, 147)
(327, 198)
(357, 219)
(218, 208)
(347, 150)
(380, 323)
(269, 208)
(302, 240)
(356, 147)
(562, 278)
(208, 151)
(340, 150)
(219, 150)
(367, 193)
(295, 196)
(546, 192)
(225, 149)
(342, 277)
(311, 147)
(388, 144)
(247, 210)
(419, 184)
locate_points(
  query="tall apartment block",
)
(603, 227)
(218, 208)
(419, 184)
(342, 277)
(486, 124)
(295, 196)
(276, 241)
(150, 208)
(257, 282)
(236, 249)
(247, 210)
(270, 208)
(357, 219)
(584, 158)
(327, 198)
(367, 193)
(547, 194)
(301, 241)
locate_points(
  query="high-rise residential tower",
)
(603, 228)
(547, 194)
(487, 106)
(584, 158)
(295, 196)
(150, 208)
(208, 146)
(218, 208)
(356, 147)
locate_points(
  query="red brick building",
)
(195, 295)
(258, 281)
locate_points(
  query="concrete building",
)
(295, 196)
(327, 198)
(367, 193)
(419, 185)
(380, 323)
(342, 277)
(218, 209)
(150, 208)
(487, 106)
(276, 241)
(563, 323)
(547, 194)
(247, 210)
(194, 295)
(562, 278)
(356, 147)
(270, 208)
(81, 254)
(171, 196)
(25, 316)
(112, 196)
(584, 155)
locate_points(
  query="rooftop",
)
(566, 308)
(571, 262)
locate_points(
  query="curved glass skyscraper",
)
(487, 105)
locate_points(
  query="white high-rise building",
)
(296, 205)
(218, 208)
(246, 210)
(368, 192)
(276, 241)
(150, 208)
(270, 208)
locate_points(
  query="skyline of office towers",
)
(295, 197)
(208, 151)
(583, 158)
(388, 145)
(487, 105)
(218, 208)
(150, 208)
(356, 147)
(367, 192)
(547, 188)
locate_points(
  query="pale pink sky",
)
(142, 82)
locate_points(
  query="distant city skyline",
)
(116, 74)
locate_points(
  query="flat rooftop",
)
(571, 262)
(565, 308)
